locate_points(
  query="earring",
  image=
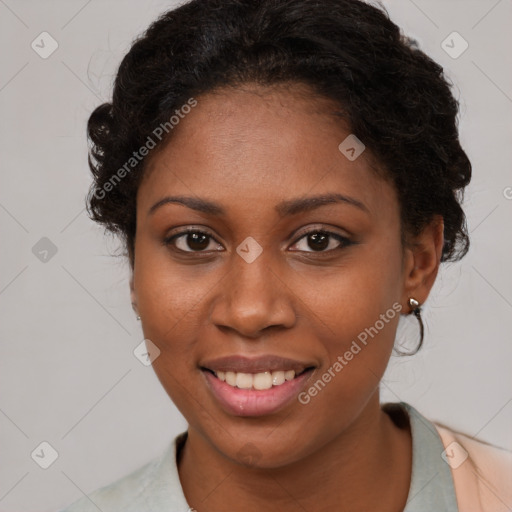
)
(416, 311)
(413, 303)
(138, 317)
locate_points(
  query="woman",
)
(286, 176)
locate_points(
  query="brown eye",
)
(197, 241)
(191, 241)
(322, 241)
(318, 241)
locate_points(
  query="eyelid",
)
(316, 228)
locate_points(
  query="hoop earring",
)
(416, 311)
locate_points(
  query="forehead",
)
(258, 145)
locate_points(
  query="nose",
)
(253, 299)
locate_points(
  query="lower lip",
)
(252, 402)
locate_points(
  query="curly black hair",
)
(393, 97)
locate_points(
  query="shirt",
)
(451, 472)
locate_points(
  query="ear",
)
(421, 262)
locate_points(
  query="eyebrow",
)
(283, 209)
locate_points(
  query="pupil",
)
(197, 241)
(320, 241)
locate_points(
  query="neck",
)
(366, 467)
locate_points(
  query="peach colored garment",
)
(483, 481)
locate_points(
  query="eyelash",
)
(345, 242)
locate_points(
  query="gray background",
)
(67, 372)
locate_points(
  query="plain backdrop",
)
(68, 375)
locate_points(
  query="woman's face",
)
(261, 280)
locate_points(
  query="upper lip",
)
(244, 364)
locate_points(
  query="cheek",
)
(168, 299)
(167, 291)
(356, 348)
(356, 309)
(352, 297)
(172, 300)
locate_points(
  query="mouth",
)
(255, 387)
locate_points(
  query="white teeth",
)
(244, 380)
(259, 381)
(231, 378)
(277, 378)
(262, 381)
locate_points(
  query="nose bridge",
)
(252, 278)
(253, 298)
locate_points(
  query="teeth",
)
(244, 380)
(278, 378)
(262, 380)
(289, 375)
(259, 381)
(231, 378)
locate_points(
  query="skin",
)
(249, 149)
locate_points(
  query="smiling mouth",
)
(257, 381)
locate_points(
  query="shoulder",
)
(121, 494)
(152, 487)
(482, 473)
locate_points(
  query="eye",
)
(191, 240)
(323, 241)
